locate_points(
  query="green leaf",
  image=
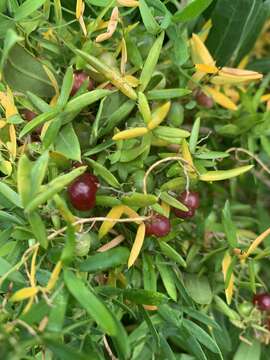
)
(167, 277)
(253, 29)
(38, 228)
(202, 336)
(11, 39)
(27, 8)
(104, 173)
(148, 19)
(194, 135)
(38, 172)
(91, 303)
(192, 10)
(23, 73)
(151, 62)
(229, 226)
(67, 143)
(166, 94)
(10, 194)
(146, 297)
(105, 260)
(198, 288)
(69, 249)
(63, 351)
(140, 200)
(248, 352)
(98, 311)
(234, 17)
(172, 201)
(14, 276)
(53, 187)
(172, 254)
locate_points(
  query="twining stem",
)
(250, 154)
(184, 164)
(98, 219)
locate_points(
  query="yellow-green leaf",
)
(24, 293)
(220, 98)
(137, 245)
(115, 213)
(225, 266)
(131, 133)
(224, 174)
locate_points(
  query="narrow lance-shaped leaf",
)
(225, 267)
(137, 245)
(219, 175)
(115, 213)
(54, 187)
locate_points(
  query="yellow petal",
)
(24, 293)
(199, 52)
(54, 276)
(220, 98)
(131, 133)
(225, 266)
(209, 69)
(159, 115)
(115, 213)
(137, 245)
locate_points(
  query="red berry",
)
(204, 100)
(82, 192)
(184, 214)
(190, 198)
(78, 78)
(192, 201)
(262, 301)
(158, 225)
(28, 114)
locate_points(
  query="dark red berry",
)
(158, 225)
(184, 214)
(190, 198)
(204, 100)
(262, 301)
(192, 201)
(82, 192)
(28, 114)
(78, 78)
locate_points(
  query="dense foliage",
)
(134, 179)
